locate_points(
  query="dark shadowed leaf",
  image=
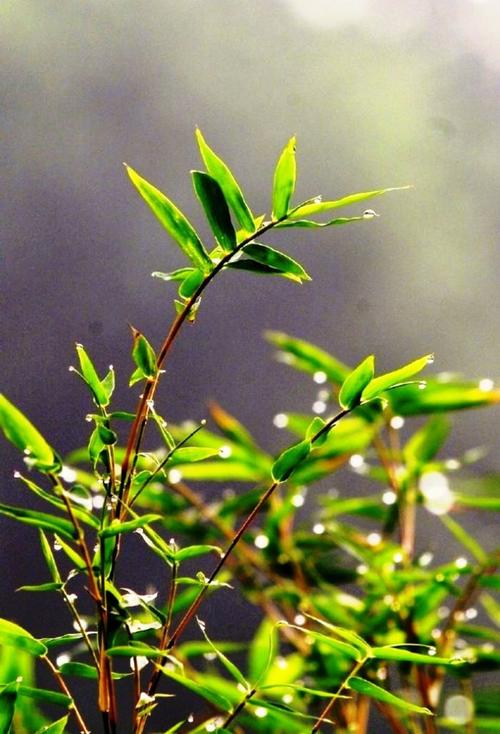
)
(216, 209)
(232, 192)
(39, 520)
(278, 260)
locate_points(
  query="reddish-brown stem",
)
(82, 727)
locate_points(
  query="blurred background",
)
(379, 93)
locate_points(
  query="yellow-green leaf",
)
(284, 180)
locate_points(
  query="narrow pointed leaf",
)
(57, 727)
(232, 192)
(201, 689)
(187, 454)
(23, 434)
(179, 274)
(324, 206)
(212, 199)
(121, 528)
(289, 460)
(39, 520)
(440, 397)
(426, 442)
(387, 652)
(231, 427)
(89, 374)
(193, 551)
(278, 260)
(174, 222)
(8, 698)
(51, 586)
(366, 688)
(310, 224)
(49, 558)
(13, 635)
(384, 382)
(143, 354)
(231, 668)
(308, 357)
(42, 694)
(190, 285)
(284, 180)
(353, 386)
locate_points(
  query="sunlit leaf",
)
(175, 275)
(385, 382)
(174, 222)
(231, 668)
(56, 727)
(143, 354)
(212, 199)
(440, 396)
(320, 207)
(426, 442)
(284, 180)
(307, 357)
(100, 394)
(13, 635)
(287, 462)
(129, 526)
(39, 520)
(190, 284)
(389, 652)
(366, 688)
(194, 551)
(355, 383)
(232, 192)
(187, 454)
(23, 434)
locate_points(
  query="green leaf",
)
(231, 668)
(315, 426)
(99, 392)
(8, 698)
(262, 650)
(344, 648)
(49, 558)
(82, 514)
(201, 689)
(230, 188)
(39, 520)
(121, 528)
(366, 688)
(353, 386)
(13, 635)
(287, 462)
(51, 586)
(107, 436)
(180, 274)
(143, 354)
(270, 257)
(324, 206)
(389, 380)
(212, 199)
(137, 650)
(310, 224)
(231, 427)
(284, 180)
(174, 222)
(425, 443)
(463, 537)
(42, 694)
(307, 357)
(57, 727)
(389, 652)
(345, 634)
(83, 670)
(190, 285)
(188, 454)
(440, 397)
(193, 551)
(23, 434)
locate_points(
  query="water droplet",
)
(461, 562)
(369, 214)
(422, 385)
(320, 377)
(261, 541)
(190, 718)
(389, 497)
(68, 474)
(397, 422)
(374, 538)
(282, 663)
(318, 200)
(57, 546)
(225, 452)
(287, 698)
(299, 620)
(298, 500)
(452, 464)
(98, 501)
(203, 422)
(210, 726)
(71, 598)
(443, 612)
(17, 475)
(430, 359)
(210, 656)
(362, 569)
(398, 557)
(470, 613)
(260, 712)
(62, 659)
(280, 420)
(318, 528)
(174, 476)
(323, 395)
